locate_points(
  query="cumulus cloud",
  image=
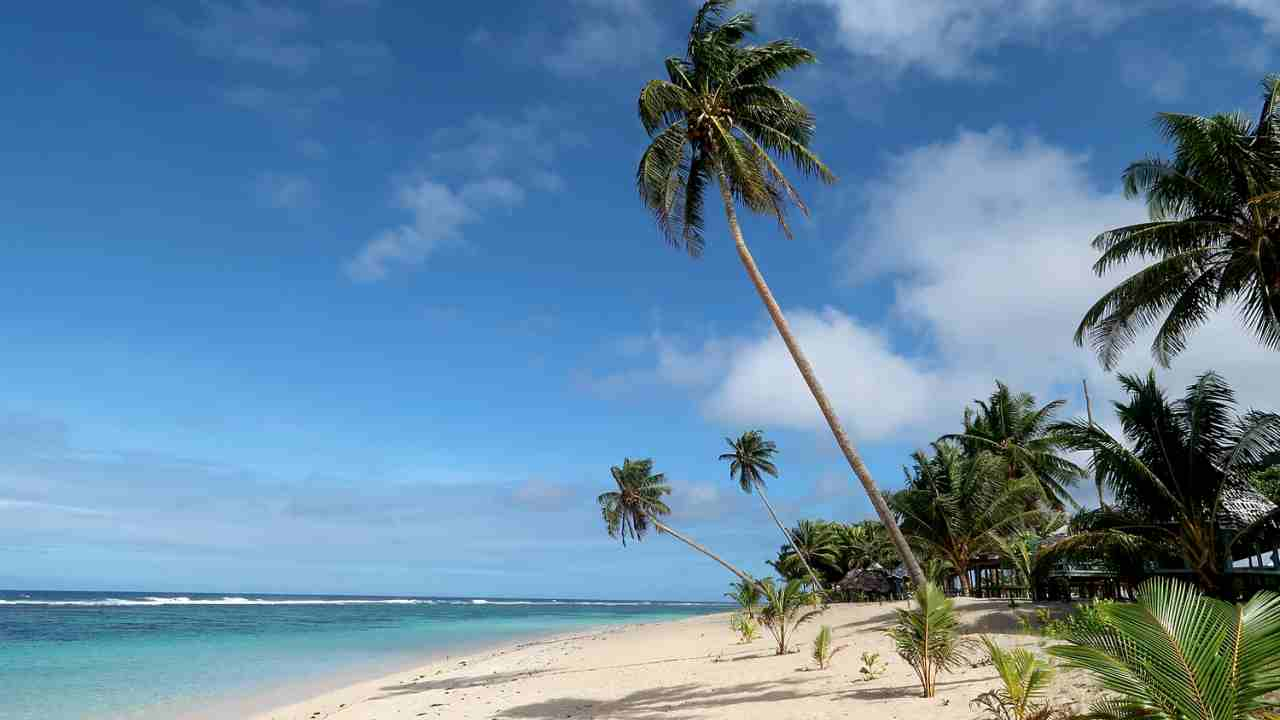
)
(949, 37)
(984, 239)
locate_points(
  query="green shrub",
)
(1087, 618)
(872, 666)
(744, 624)
(1025, 680)
(824, 649)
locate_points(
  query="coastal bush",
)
(745, 625)
(872, 666)
(747, 595)
(824, 649)
(928, 637)
(786, 607)
(1025, 678)
(1177, 654)
(1087, 618)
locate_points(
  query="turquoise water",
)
(70, 656)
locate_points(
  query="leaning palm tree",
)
(637, 503)
(750, 459)
(956, 506)
(717, 118)
(1009, 425)
(1177, 655)
(1170, 474)
(1213, 238)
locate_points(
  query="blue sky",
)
(356, 296)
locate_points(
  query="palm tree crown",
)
(1213, 238)
(1010, 426)
(626, 511)
(751, 459)
(717, 117)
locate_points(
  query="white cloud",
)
(609, 33)
(985, 240)
(949, 37)
(438, 214)
(1267, 11)
(283, 190)
(497, 163)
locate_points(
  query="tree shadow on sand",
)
(905, 691)
(685, 702)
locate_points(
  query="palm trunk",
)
(787, 534)
(1097, 478)
(806, 371)
(663, 527)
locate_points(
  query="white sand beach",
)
(687, 669)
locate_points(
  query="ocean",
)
(78, 655)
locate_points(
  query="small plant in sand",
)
(928, 637)
(786, 607)
(747, 595)
(824, 648)
(1025, 679)
(872, 666)
(744, 624)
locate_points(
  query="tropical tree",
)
(1178, 655)
(1213, 237)
(1009, 425)
(747, 595)
(1028, 553)
(718, 118)
(750, 458)
(928, 637)
(786, 607)
(1267, 482)
(812, 540)
(1177, 463)
(955, 505)
(637, 504)
(861, 545)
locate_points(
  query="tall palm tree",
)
(956, 506)
(860, 545)
(1176, 464)
(637, 503)
(1213, 238)
(717, 118)
(1010, 426)
(750, 459)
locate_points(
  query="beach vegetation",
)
(872, 666)
(1171, 471)
(1024, 681)
(956, 505)
(745, 625)
(787, 606)
(637, 505)
(1211, 239)
(717, 118)
(1012, 427)
(824, 648)
(750, 458)
(1178, 654)
(927, 636)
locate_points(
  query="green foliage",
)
(786, 607)
(1267, 482)
(744, 624)
(824, 649)
(928, 637)
(1010, 426)
(1025, 679)
(1028, 555)
(1172, 469)
(747, 595)
(1211, 239)
(955, 506)
(1179, 655)
(1089, 618)
(628, 510)
(872, 666)
(750, 459)
(717, 117)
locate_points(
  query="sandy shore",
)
(684, 669)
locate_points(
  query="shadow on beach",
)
(674, 701)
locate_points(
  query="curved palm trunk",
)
(787, 534)
(663, 527)
(806, 371)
